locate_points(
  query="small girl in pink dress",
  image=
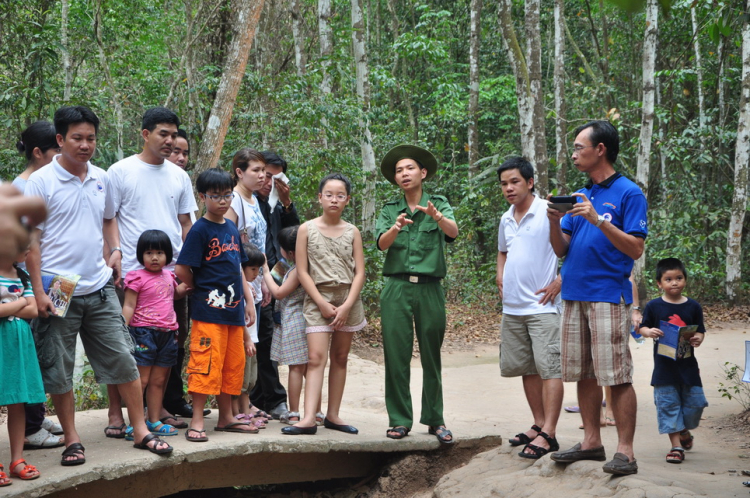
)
(150, 316)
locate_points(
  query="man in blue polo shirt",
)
(600, 238)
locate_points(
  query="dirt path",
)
(476, 395)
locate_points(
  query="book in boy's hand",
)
(279, 270)
(59, 288)
(675, 343)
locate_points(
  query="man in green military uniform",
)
(413, 229)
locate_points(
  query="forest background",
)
(333, 84)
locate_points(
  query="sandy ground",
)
(476, 395)
(478, 402)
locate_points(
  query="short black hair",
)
(335, 176)
(603, 132)
(183, 134)
(522, 165)
(215, 179)
(39, 134)
(158, 115)
(288, 238)
(154, 240)
(71, 115)
(255, 256)
(274, 159)
(667, 264)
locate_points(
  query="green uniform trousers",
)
(404, 308)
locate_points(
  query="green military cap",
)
(404, 151)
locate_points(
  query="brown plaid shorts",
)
(595, 343)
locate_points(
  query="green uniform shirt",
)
(419, 248)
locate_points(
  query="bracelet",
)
(441, 218)
(115, 249)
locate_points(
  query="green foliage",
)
(735, 388)
(418, 61)
(89, 395)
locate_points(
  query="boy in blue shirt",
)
(678, 391)
(210, 263)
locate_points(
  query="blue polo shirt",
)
(594, 270)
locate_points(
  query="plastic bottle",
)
(638, 337)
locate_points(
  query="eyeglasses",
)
(579, 148)
(217, 198)
(340, 197)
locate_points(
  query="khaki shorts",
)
(97, 317)
(217, 358)
(336, 296)
(530, 346)
(595, 343)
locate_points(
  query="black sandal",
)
(400, 430)
(442, 434)
(143, 445)
(539, 452)
(74, 450)
(522, 438)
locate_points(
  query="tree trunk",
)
(246, 15)
(326, 49)
(662, 145)
(299, 51)
(561, 126)
(705, 165)
(108, 77)
(67, 67)
(534, 60)
(521, 72)
(474, 40)
(363, 95)
(741, 159)
(650, 42)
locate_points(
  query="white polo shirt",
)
(149, 197)
(72, 241)
(531, 263)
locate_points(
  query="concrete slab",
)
(114, 468)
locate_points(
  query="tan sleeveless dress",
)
(330, 262)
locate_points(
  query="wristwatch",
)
(636, 308)
(115, 249)
(599, 220)
(287, 207)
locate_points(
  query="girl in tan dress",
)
(331, 268)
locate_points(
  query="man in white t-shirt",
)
(529, 288)
(149, 193)
(71, 242)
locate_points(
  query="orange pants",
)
(217, 358)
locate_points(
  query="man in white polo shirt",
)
(150, 193)
(70, 241)
(529, 288)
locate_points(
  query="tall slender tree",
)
(528, 73)
(650, 44)
(246, 16)
(365, 141)
(474, 42)
(326, 49)
(741, 160)
(561, 125)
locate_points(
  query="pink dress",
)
(155, 306)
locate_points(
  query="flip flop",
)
(119, 435)
(178, 423)
(235, 427)
(200, 439)
(143, 445)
